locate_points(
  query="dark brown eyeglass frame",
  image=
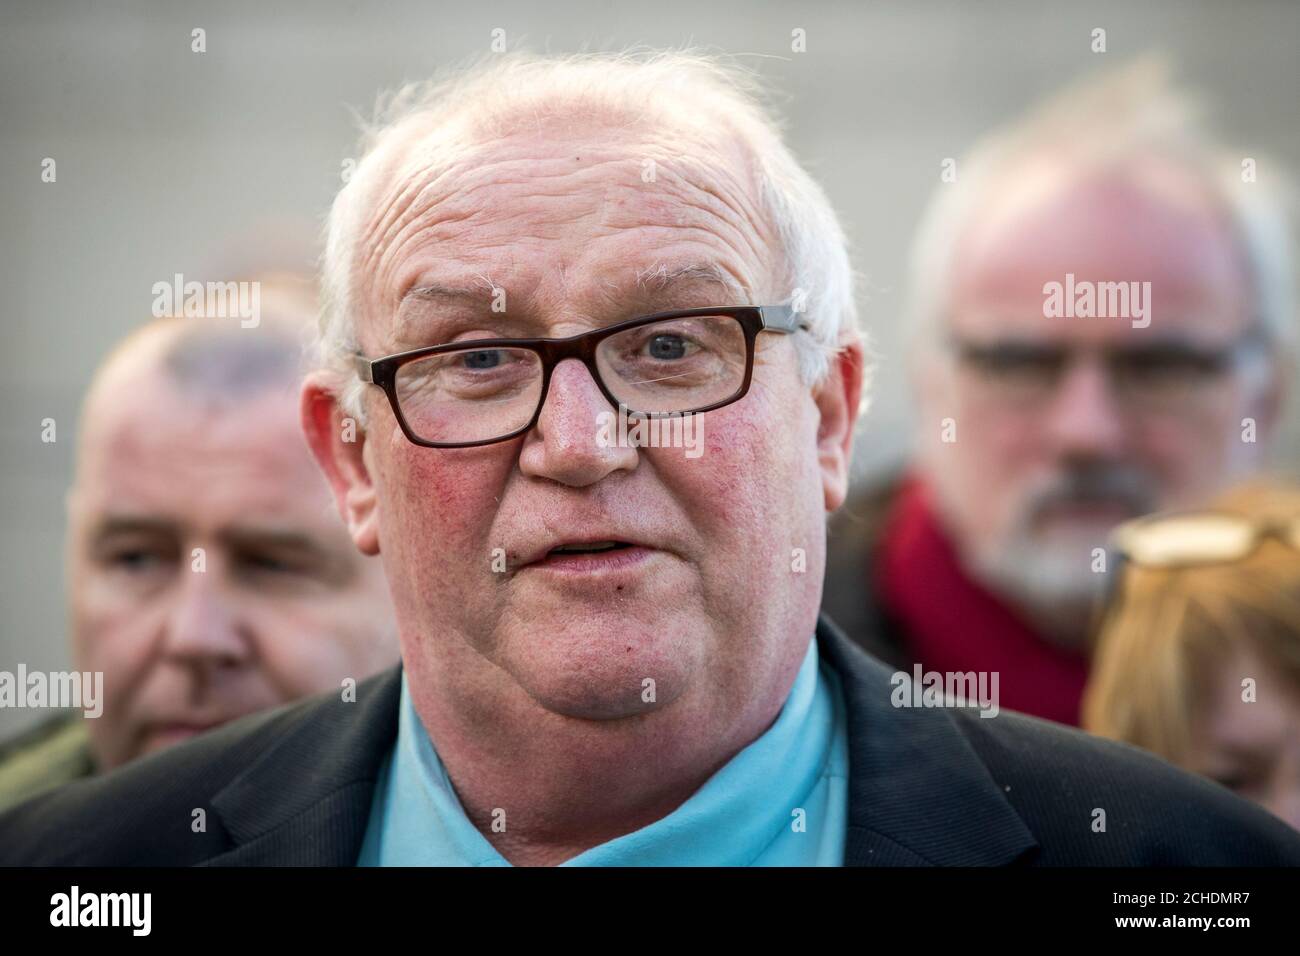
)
(753, 319)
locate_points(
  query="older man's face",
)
(1066, 425)
(706, 601)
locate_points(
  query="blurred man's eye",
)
(271, 564)
(135, 559)
(1014, 362)
(271, 559)
(1174, 365)
(271, 568)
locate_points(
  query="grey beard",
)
(1044, 574)
(1053, 583)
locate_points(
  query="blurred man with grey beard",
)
(1101, 322)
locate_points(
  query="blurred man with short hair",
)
(208, 574)
(1101, 318)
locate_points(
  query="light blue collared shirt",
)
(781, 801)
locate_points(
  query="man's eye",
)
(1171, 366)
(270, 564)
(667, 347)
(1014, 364)
(135, 560)
(488, 358)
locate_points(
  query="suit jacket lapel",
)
(306, 800)
(918, 793)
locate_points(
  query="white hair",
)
(430, 125)
(1117, 117)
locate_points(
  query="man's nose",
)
(203, 627)
(569, 444)
(1084, 419)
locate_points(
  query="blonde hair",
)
(1160, 643)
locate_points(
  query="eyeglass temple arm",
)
(782, 318)
(364, 367)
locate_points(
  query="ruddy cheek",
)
(452, 493)
(724, 488)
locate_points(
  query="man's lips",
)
(168, 732)
(587, 553)
(173, 725)
(623, 556)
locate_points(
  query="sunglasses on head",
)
(1199, 537)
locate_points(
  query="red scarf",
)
(953, 624)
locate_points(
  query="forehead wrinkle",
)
(711, 188)
(731, 182)
(395, 220)
(385, 216)
(411, 232)
(434, 203)
(726, 220)
(409, 165)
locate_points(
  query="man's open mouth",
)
(594, 547)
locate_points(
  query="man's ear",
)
(338, 443)
(839, 400)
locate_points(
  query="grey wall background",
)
(204, 164)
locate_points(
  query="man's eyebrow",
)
(661, 276)
(479, 288)
(238, 536)
(134, 524)
(328, 563)
(244, 537)
(652, 280)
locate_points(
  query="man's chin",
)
(164, 736)
(614, 663)
(1057, 568)
(145, 742)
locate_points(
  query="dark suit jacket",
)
(849, 594)
(937, 786)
